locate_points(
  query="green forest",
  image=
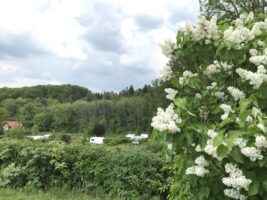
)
(74, 109)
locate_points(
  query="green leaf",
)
(253, 129)
(263, 162)
(262, 92)
(191, 114)
(264, 185)
(253, 189)
(222, 150)
(218, 140)
(225, 122)
(234, 134)
(180, 103)
(237, 156)
(189, 137)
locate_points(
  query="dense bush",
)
(117, 140)
(99, 130)
(123, 172)
(218, 113)
(17, 133)
(66, 138)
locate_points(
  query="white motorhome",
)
(137, 137)
(40, 137)
(97, 140)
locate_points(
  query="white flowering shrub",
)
(217, 117)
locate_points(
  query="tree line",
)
(71, 108)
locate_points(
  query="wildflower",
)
(171, 93)
(167, 48)
(255, 79)
(166, 120)
(249, 119)
(198, 96)
(241, 142)
(236, 93)
(199, 168)
(261, 141)
(227, 109)
(165, 74)
(189, 74)
(252, 152)
(205, 29)
(234, 194)
(212, 86)
(212, 134)
(217, 67)
(236, 178)
(220, 95)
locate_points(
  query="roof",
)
(13, 124)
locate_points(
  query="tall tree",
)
(231, 9)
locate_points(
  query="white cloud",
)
(100, 44)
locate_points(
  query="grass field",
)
(10, 194)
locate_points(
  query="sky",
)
(102, 45)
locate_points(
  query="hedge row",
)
(124, 172)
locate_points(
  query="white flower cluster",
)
(166, 120)
(198, 95)
(206, 29)
(261, 43)
(210, 148)
(186, 28)
(217, 67)
(239, 35)
(199, 169)
(253, 153)
(198, 148)
(258, 28)
(236, 178)
(258, 59)
(212, 86)
(241, 142)
(255, 79)
(189, 74)
(186, 74)
(256, 112)
(167, 48)
(171, 93)
(253, 52)
(245, 18)
(234, 194)
(212, 134)
(220, 95)
(227, 109)
(236, 37)
(236, 93)
(165, 74)
(261, 141)
(249, 119)
(236, 181)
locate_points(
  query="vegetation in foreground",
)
(12, 194)
(119, 171)
(217, 117)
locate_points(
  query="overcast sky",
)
(99, 44)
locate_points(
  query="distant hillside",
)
(71, 108)
(62, 93)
